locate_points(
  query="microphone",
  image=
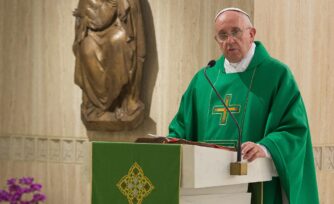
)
(210, 65)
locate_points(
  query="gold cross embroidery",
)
(135, 185)
(220, 109)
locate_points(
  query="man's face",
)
(234, 35)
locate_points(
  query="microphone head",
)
(211, 63)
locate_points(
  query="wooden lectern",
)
(205, 176)
(140, 174)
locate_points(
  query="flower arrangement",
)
(22, 191)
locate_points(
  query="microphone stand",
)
(238, 167)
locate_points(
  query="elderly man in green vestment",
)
(264, 98)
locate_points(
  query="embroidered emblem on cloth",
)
(135, 185)
(220, 109)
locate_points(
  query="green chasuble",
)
(266, 102)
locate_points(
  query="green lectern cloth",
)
(135, 173)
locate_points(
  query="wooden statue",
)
(109, 47)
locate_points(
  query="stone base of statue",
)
(119, 120)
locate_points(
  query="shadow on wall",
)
(150, 72)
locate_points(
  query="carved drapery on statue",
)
(109, 47)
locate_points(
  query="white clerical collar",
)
(242, 65)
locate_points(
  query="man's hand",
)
(251, 151)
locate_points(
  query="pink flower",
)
(16, 191)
